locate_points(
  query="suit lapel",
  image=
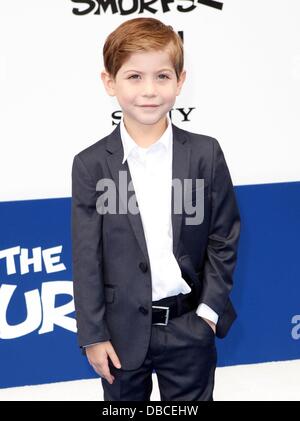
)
(180, 170)
(114, 161)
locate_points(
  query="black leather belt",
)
(170, 307)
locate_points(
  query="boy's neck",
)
(145, 135)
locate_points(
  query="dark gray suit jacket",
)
(111, 270)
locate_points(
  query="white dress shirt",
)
(151, 173)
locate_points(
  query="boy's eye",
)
(162, 74)
(165, 76)
(132, 76)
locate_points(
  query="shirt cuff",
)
(86, 346)
(203, 310)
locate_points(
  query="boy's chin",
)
(149, 119)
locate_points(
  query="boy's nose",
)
(149, 88)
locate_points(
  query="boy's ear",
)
(180, 82)
(108, 82)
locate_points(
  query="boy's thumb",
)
(114, 358)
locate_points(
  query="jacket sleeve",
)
(224, 232)
(88, 285)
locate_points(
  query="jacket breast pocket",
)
(109, 293)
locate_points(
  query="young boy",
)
(151, 290)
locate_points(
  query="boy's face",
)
(146, 78)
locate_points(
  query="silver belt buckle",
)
(167, 315)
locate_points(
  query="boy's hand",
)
(98, 358)
(211, 324)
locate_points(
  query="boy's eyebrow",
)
(138, 71)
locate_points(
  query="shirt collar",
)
(129, 144)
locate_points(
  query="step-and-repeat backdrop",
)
(243, 87)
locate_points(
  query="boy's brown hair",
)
(141, 34)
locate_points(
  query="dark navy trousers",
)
(183, 355)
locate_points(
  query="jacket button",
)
(143, 266)
(143, 310)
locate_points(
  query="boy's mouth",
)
(149, 106)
